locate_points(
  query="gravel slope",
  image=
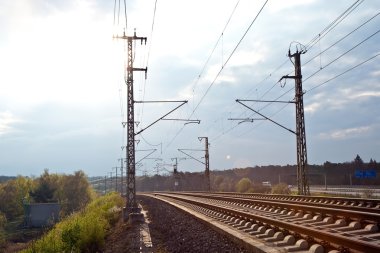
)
(175, 231)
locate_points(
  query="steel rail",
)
(328, 202)
(372, 202)
(333, 238)
(324, 210)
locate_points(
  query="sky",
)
(63, 94)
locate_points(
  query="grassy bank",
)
(83, 231)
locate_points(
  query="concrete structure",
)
(41, 214)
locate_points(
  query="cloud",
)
(313, 107)
(6, 121)
(375, 73)
(60, 61)
(62, 73)
(348, 133)
(365, 94)
(224, 77)
(280, 5)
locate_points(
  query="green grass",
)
(83, 231)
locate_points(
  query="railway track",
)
(279, 223)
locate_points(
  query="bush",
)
(259, 188)
(3, 221)
(280, 189)
(83, 231)
(243, 185)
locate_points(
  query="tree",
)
(12, 194)
(3, 221)
(216, 182)
(74, 192)
(372, 164)
(45, 190)
(243, 185)
(358, 162)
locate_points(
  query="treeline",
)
(355, 172)
(5, 178)
(72, 191)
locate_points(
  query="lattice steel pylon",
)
(302, 181)
(207, 163)
(131, 205)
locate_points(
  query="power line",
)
(248, 92)
(125, 14)
(229, 57)
(369, 37)
(148, 57)
(313, 88)
(216, 44)
(341, 39)
(333, 24)
(312, 42)
(340, 56)
(204, 67)
(118, 15)
(151, 32)
(344, 72)
(114, 12)
(348, 70)
(224, 64)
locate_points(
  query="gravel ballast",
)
(173, 230)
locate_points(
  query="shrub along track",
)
(288, 225)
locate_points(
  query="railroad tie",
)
(239, 224)
(245, 226)
(338, 223)
(268, 233)
(370, 228)
(260, 230)
(278, 236)
(325, 221)
(354, 225)
(233, 221)
(301, 244)
(254, 227)
(288, 240)
(316, 248)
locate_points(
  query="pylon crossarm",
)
(244, 120)
(145, 157)
(266, 101)
(182, 103)
(278, 124)
(187, 121)
(192, 157)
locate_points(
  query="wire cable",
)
(229, 57)
(221, 69)
(148, 57)
(125, 14)
(216, 44)
(333, 24)
(346, 52)
(203, 69)
(341, 39)
(344, 72)
(114, 12)
(312, 42)
(340, 56)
